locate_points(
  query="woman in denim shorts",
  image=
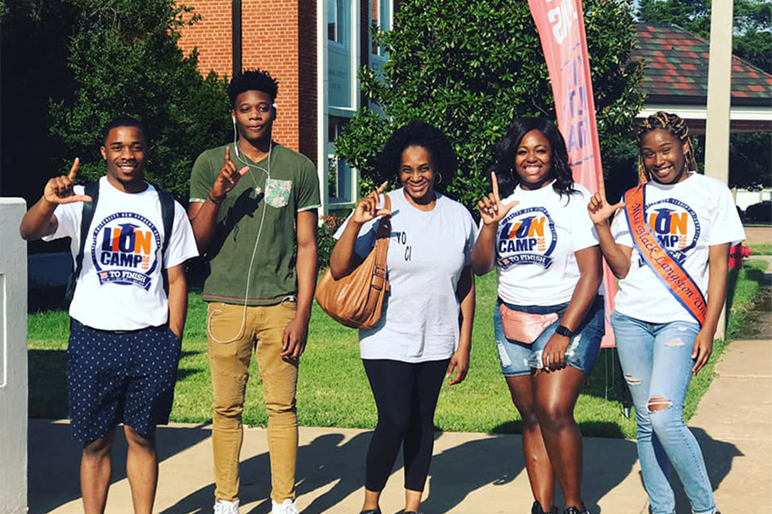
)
(541, 242)
(663, 337)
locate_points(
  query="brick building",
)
(314, 49)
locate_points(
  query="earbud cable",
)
(242, 326)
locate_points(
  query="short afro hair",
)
(418, 133)
(252, 80)
(121, 121)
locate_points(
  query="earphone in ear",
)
(234, 119)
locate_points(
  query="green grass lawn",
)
(761, 249)
(333, 389)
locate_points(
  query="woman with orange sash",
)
(669, 248)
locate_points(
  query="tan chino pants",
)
(239, 332)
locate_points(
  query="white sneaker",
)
(226, 507)
(286, 507)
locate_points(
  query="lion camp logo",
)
(675, 225)
(124, 249)
(526, 236)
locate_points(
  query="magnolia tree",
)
(124, 59)
(470, 67)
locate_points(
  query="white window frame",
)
(325, 150)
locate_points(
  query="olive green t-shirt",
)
(259, 205)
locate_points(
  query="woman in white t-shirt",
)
(548, 320)
(663, 324)
(420, 337)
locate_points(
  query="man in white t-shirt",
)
(126, 328)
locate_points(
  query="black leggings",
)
(406, 396)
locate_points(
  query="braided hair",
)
(673, 124)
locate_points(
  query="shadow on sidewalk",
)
(326, 460)
(54, 460)
(322, 462)
(718, 461)
(459, 471)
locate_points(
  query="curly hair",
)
(506, 150)
(418, 133)
(678, 129)
(252, 80)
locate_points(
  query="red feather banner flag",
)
(561, 29)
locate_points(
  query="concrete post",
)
(13, 358)
(719, 100)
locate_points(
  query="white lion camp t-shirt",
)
(121, 286)
(427, 252)
(687, 218)
(536, 244)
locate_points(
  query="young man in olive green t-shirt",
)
(249, 203)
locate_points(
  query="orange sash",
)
(665, 266)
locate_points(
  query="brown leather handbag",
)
(356, 300)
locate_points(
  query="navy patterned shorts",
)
(120, 377)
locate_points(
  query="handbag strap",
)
(382, 249)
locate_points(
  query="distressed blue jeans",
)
(657, 363)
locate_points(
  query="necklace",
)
(251, 166)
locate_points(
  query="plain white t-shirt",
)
(427, 252)
(688, 218)
(121, 286)
(536, 244)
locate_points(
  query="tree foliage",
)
(470, 67)
(750, 158)
(752, 24)
(124, 59)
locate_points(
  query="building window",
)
(340, 55)
(380, 15)
(336, 21)
(339, 173)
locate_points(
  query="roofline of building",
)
(734, 57)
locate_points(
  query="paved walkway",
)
(755, 235)
(471, 473)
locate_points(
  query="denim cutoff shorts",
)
(582, 350)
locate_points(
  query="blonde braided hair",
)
(677, 128)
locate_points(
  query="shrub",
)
(325, 239)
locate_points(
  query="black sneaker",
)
(376, 511)
(574, 510)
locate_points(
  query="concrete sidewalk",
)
(470, 474)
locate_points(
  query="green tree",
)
(750, 155)
(752, 24)
(470, 67)
(124, 59)
(692, 15)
